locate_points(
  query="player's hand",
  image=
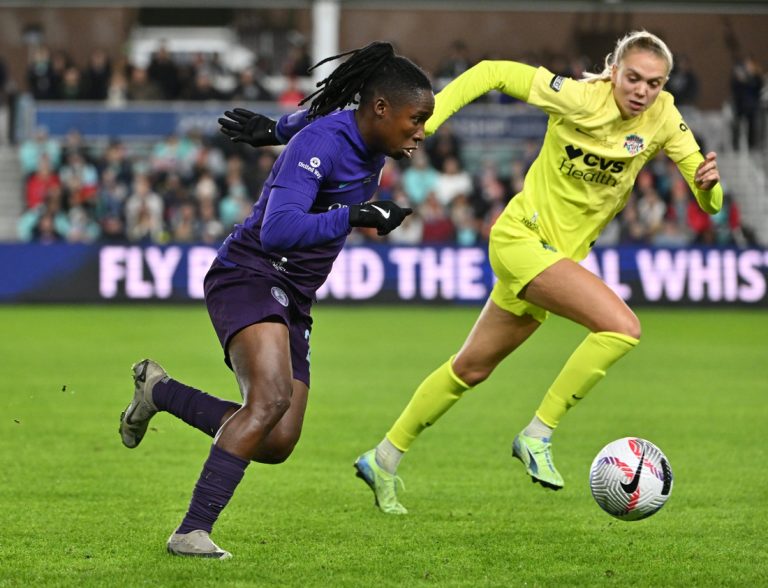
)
(244, 126)
(384, 216)
(707, 175)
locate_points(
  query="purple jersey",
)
(300, 222)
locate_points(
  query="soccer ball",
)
(630, 479)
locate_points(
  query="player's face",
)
(401, 127)
(637, 81)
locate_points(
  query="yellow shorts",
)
(518, 255)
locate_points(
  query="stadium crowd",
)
(193, 188)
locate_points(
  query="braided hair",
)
(371, 69)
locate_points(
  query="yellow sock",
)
(436, 394)
(585, 368)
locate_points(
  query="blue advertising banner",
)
(376, 274)
(144, 122)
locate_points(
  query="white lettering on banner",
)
(721, 276)
(662, 271)
(111, 270)
(470, 273)
(358, 274)
(749, 264)
(199, 260)
(451, 274)
(126, 264)
(163, 266)
(406, 259)
(611, 271)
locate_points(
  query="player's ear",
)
(380, 106)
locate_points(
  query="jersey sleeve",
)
(290, 124)
(679, 141)
(288, 223)
(710, 201)
(560, 95)
(509, 77)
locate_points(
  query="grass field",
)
(78, 509)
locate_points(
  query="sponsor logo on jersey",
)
(311, 168)
(279, 295)
(531, 223)
(556, 83)
(633, 144)
(599, 169)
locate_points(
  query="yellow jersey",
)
(590, 156)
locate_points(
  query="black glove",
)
(242, 125)
(384, 215)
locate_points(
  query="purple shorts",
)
(237, 297)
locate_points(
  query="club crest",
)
(279, 295)
(633, 144)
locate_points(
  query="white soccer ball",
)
(631, 479)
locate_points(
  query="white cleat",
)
(195, 544)
(135, 418)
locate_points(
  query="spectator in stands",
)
(211, 228)
(438, 227)
(292, 94)
(144, 212)
(80, 178)
(456, 62)
(174, 194)
(675, 231)
(111, 195)
(83, 228)
(235, 206)
(411, 232)
(184, 224)
(452, 182)
(116, 159)
(746, 86)
(419, 179)
(651, 211)
(140, 88)
(463, 218)
(40, 75)
(202, 88)
(40, 182)
(32, 149)
(297, 62)
(71, 86)
(74, 142)
(683, 83)
(249, 88)
(442, 145)
(164, 72)
(175, 154)
(46, 221)
(97, 75)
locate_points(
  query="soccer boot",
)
(135, 418)
(383, 484)
(195, 544)
(536, 455)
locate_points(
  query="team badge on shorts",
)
(633, 144)
(279, 295)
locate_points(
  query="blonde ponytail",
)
(642, 40)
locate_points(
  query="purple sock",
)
(192, 406)
(221, 474)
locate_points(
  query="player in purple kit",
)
(260, 289)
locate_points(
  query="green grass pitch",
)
(78, 509)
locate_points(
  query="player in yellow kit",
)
(601, 131)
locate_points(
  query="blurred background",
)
(115, 183)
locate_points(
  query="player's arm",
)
(703, 177)
(510, 77)
(244, 126)
(289, 224)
